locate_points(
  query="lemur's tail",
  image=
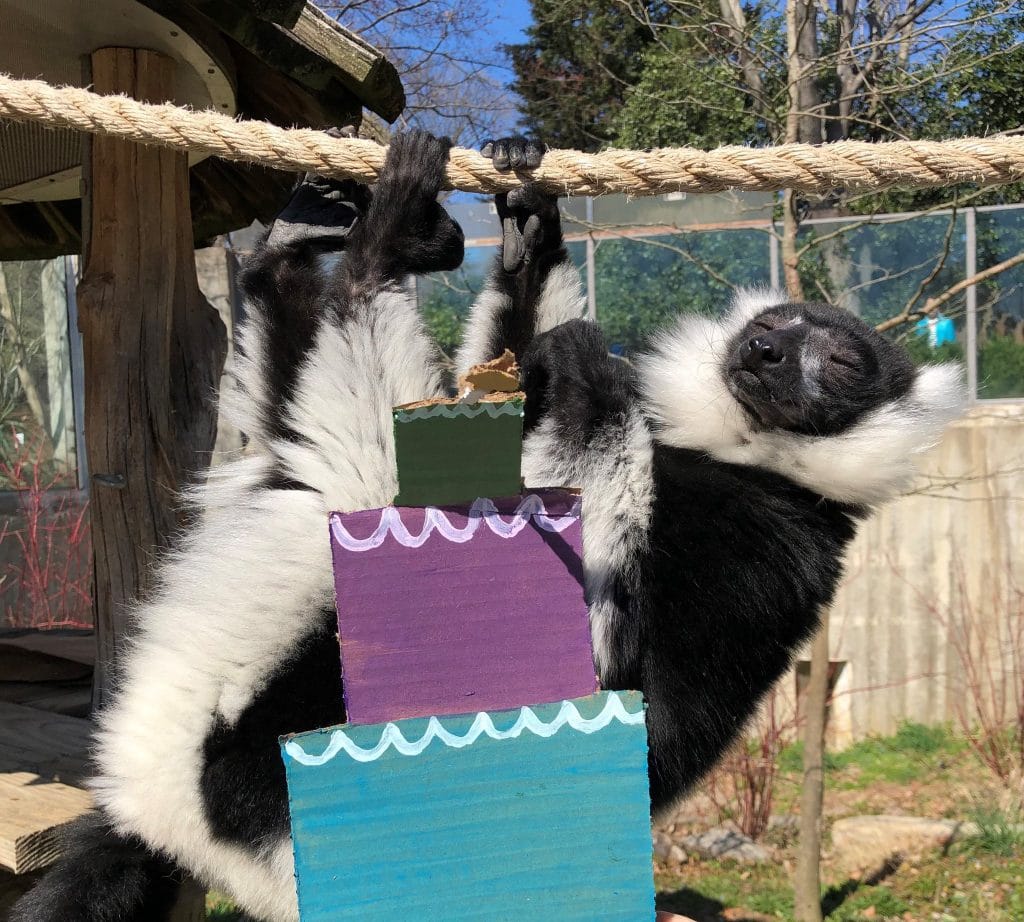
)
(102, 876)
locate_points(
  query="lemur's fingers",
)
(513, 153)
(529, 222)
(513, 248)
(416, 161)
(530, 199)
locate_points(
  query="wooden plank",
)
(462, 609)
(454, 452)
(325, 37)
(550, 823)
(153, 348)
(283, 12)
(327, 59)
(18, 664)
(73, 699)
(33, 813)
(43, 760)
(77, 646)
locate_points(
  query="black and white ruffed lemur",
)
(723, 473)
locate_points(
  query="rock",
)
(864, 845)
(676, 855)
(666, 851)
(726, 843)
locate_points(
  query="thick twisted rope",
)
(853, 165)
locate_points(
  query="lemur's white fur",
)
(244, 588)
(687, 398)
(618, 491)
(561, 299)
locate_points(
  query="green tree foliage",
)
(574, 69)
(661, 110)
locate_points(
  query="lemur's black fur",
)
(713, 535)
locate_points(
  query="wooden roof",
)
(282, 61)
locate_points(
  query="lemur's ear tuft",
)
(749, 302)
(940, 393)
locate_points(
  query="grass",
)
(924, 770)
(1001, 833)
(968, 885)
(912, 751)
(221, 909)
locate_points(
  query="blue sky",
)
(511, 20)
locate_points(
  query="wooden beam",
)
(33, 814)
(154, 349)
(283, 12)
(315, 51)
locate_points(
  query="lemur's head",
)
(812, 368)
(806, 390)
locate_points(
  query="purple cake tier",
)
(463, 608)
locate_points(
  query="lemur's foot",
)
(530, 224)
(427, 239)
(321, 211)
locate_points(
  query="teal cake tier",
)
(538, 813)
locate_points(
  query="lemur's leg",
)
(286, 282)
(583, 425)
(584, 428)
(101, 875)
(533, 285)
(237, 643)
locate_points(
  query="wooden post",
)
(153, 348)
(807, 880)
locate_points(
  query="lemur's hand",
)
(421, 234)
(530, 224)
(321, 211)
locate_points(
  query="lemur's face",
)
(813, 369)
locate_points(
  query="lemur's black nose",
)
(757, 351)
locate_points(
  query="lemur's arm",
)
(533, 285)
(332, 339)
(286, 281)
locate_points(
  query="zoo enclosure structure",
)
(642, 261)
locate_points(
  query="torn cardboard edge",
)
(496, 397)
(499, 375)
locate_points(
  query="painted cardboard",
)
(539, 814)
(455, 452)
(461, 609)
